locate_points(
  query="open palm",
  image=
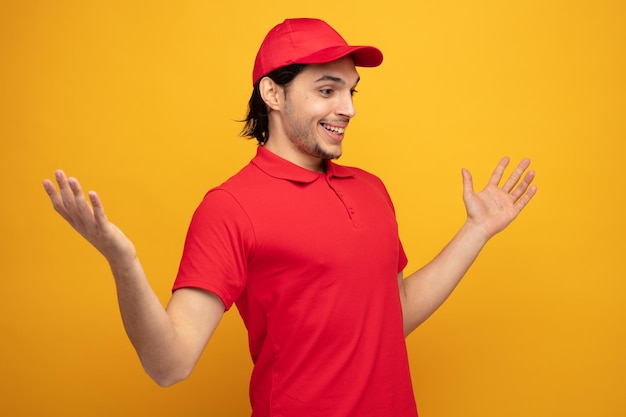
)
(493, 208)
(90, 221)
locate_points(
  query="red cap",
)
(308, 41)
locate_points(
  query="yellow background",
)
(139, 99)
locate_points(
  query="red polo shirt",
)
(311, 261)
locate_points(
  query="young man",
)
(307, 249)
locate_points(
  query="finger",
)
(468, 183)
(525, 199)
(98, 210)
(51, 190)
(516, 175)
(81, 206)
(67, 196)
(523, 186)
(55, 196)
(499, 171)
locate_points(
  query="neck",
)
(312, 163)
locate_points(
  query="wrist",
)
(475, 232)
(123, 264)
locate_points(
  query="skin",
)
(488, 212)
(169, 341)
(308, 120)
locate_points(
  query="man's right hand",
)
(90, 220)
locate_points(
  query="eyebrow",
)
(335, 79)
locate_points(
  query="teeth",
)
(338, 130)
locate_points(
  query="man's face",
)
(318, 107)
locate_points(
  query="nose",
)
(346, 105)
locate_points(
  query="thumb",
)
(468, 183)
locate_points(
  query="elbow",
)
(166, 377)
(164, 368)
(164, 382)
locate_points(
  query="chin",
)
(333, 152)
(329, 155)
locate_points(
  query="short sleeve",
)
(402, 259)
(217, 248)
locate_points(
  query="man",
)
(307, 249)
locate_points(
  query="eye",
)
(353, 92)
(326, 91)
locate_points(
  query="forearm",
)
(168, 341)
(148, 325)
(488, 213)
(426, 289)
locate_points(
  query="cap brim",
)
(363, 56)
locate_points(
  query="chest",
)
(324, 222)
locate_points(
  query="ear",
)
(272, 93)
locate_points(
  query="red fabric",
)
(311, 261)
(307, 41)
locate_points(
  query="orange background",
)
(139, 101)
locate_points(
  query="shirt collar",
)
(278, 167)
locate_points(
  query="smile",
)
(334, 129)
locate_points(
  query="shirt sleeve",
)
(217, 248)
(402, 258)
